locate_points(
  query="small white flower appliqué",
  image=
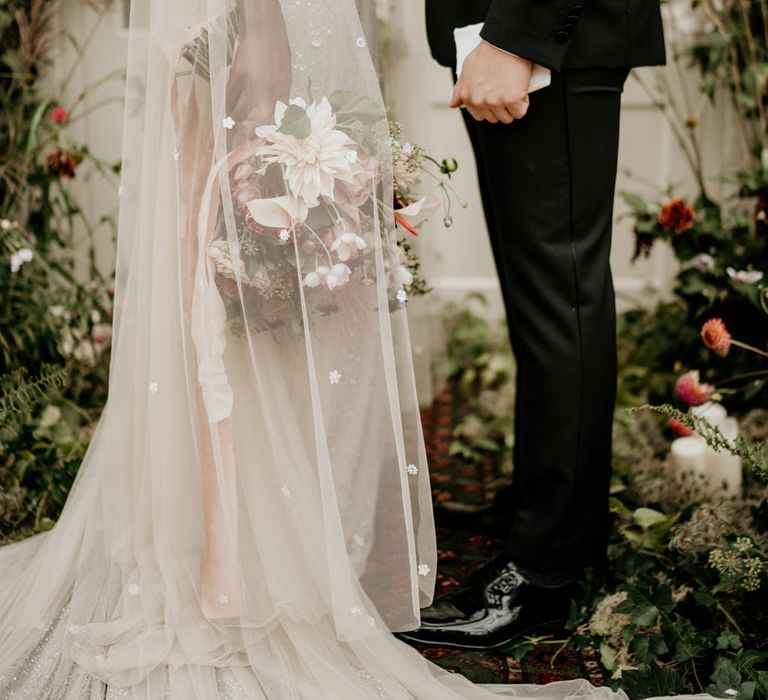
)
(133, 589)
(357, 610)
(285, 491)
(371, 622)
(424, 570)
(352, 157)
(222, 599)
(412, 470)
(285, 235)
(402, 296)
(228, 123)
(175, 153)
(153, 388)
(334, 376)
(361, 42)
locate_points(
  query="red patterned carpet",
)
(460, 554)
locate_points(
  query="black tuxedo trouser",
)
(548, 183)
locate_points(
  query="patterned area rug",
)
(460, 554)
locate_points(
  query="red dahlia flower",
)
(677, 216)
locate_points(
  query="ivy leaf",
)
(647, 647)
(645, 616)
(662, 598)
(704, 598)
(727, 683)
(689, 649)
(729, 640)
(296, 123)
(651, 682)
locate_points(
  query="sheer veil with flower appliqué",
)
(253, 516)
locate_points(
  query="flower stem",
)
(751, 348)
(748, 375)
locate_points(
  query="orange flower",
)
(679, 428)
(716, 336)
(677, 216)
(63, 164)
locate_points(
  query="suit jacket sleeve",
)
(539, 30)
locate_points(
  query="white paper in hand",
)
(468, 39)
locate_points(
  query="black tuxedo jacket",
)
(555, 33)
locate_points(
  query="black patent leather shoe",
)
(499, 606)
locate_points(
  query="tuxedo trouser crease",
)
(548, 184)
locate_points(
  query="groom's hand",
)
(493, 85)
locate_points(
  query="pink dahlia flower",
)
(690, 389)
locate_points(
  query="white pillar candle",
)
(725, 469)
(715, 413)
(689, 454)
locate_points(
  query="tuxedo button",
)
(568, 27)
(572, 19)
(576, 9)
(562, 36)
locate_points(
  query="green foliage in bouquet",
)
(55, 305)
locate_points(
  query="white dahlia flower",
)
(314, 163)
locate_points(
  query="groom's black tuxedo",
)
(547, 182)
(557, 34)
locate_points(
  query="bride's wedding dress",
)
(253, 516)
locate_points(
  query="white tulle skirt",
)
(293, 658)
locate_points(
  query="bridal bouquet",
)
(312, 205)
